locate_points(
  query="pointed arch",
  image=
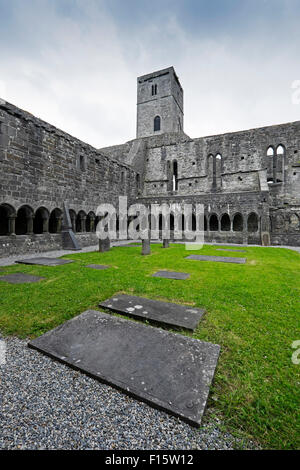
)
(238, 223)
(225, 223)
(213, 223)
(252, 222)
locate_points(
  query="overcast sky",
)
(74, 63)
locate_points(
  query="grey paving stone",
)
(45, 261)
(97, 266)
(171, 275)
(217, 259)
(20, 278)
(169, 371)
(165, 313)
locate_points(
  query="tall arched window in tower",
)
(175, 176)
(154, 90)
(157, 123)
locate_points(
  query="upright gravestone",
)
(166, 243)
(104, 245)
(146, 247)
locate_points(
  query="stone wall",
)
(42, 167)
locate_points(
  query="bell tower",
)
(159, 103)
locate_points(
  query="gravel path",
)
(47, 405)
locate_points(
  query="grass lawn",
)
(252, 312)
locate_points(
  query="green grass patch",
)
(252, 312)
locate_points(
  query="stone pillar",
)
(104, 245)
(45, 225)
(83, 224)
(58, 224)
(166, 243)
(30, 224)
(92, 224)
(146, 250)
(265, 230)
(12, 225)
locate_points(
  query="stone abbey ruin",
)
(248, 181)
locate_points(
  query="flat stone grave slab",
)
(45, 261)
(20, 278)
(169, 371)
(97, 266)
(165, 313)
(217, 259)
(229, 249)
(171, 275)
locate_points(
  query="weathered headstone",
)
(164, 313)
(217, 259)
(20, 278)
(104, 245)
(171, 275)
(45, 261)
(169, 371)
(146, 250)
(166, 243)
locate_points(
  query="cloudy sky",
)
(74, 63)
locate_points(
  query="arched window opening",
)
(275, 164)
(24, 221)
(194, 223)
(55, 221)
(160, 222)
(214, 163)
(252, 223)
(82, 165)
(138, 181)
(157, 123)
(175, 176)
(280, 150)
(122, 178)
(90, 222)
(154, 90)
(172, 222)
(205, 223)
(41, 221)
(213, 223)
(237, 223)
(225, 223)
(81, 222)
(3, 221)
(6, 212)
